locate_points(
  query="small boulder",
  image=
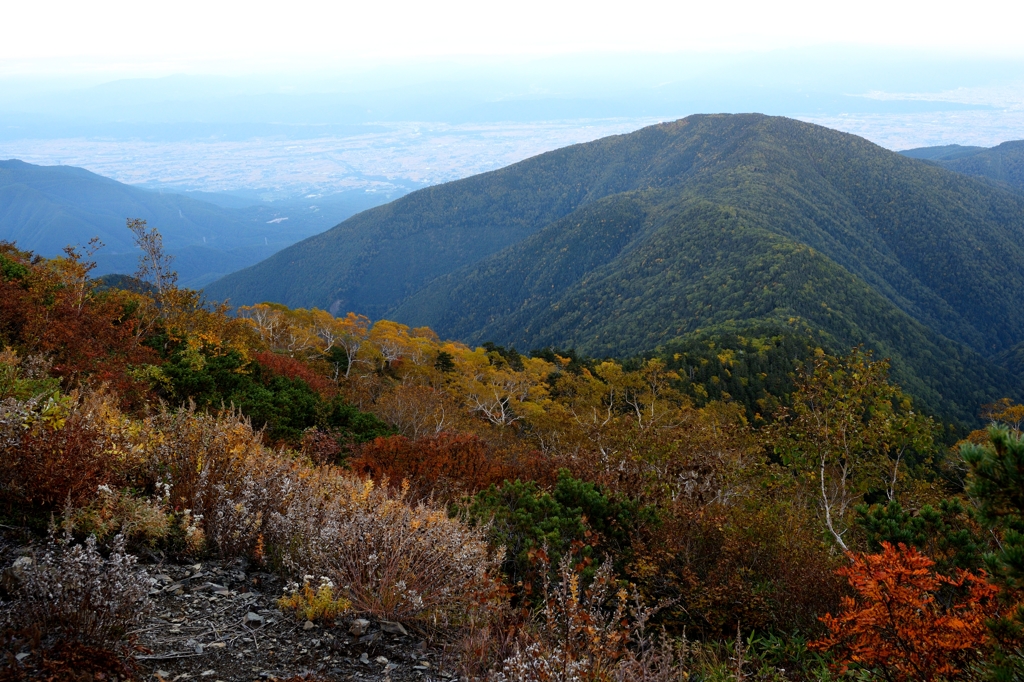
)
(13, 577)
(393, 628)
(359, 627)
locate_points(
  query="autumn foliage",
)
(444, 466)
(91, 336)
(906, 621)
(424, 480)
(290, 368)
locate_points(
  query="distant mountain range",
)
(712, 222)
(1003, 164)
(45, 208)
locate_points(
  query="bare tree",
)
(154, 264)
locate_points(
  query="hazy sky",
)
(295, 97)
(160, 37)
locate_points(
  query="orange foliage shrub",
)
(445, 465)
(905, 619)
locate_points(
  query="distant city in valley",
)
(393, 158)
(387, 157)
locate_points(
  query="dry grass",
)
(393, 560)
(140, 520)
(390, 558)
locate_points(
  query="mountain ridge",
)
(914, 260)
(1002, 165)
(45, 208)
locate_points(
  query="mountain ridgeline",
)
(717, 222)
(46, 208)
(1002, 164)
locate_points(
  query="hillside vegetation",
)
(733, 510)
(1003, 164)
(623, 244)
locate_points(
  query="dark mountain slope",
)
(45, 208)
(1003, 164)
(944, 152)
(943, 247)
(376, 259)
(695, 268)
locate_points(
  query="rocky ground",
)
(213, 622)
(221, 622)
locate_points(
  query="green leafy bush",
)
(283, 405)
(526, 519)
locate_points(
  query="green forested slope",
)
(943, 152)
(374, 260)
(943, 247)
(623, 244)
(1003, 163)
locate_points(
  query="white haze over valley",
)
(331, 98)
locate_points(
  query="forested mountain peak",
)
(621, 244)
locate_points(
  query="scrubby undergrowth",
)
(544, 517)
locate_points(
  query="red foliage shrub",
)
(68, 661)
(52, 308)
(907, 620)
(320, 447)
(61, 458)
(444, 466)
(290, 368)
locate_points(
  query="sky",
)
(70, 37)
(305, 97)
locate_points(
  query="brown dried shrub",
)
(590, 634)
(391, 559)
(756, 562)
